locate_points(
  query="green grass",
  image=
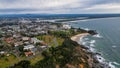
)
(35, 59)
(7, 61)
(50, 39)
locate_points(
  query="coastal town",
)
(34, 39)
(23, 38)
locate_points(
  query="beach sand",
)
(78, 36)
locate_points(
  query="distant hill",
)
(57, 15)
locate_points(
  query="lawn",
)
(7, 61)
(51, 40)
(35, 59)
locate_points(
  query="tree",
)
(22, 64)
(21, 48)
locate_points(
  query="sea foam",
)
(114, 46)
(100, 58)
(97, 36)
(116, 63)
(111, 65)
(91, 44)
(92, 41)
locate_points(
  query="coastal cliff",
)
(92, 61)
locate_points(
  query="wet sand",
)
(78, 36)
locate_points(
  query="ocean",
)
(107, 42)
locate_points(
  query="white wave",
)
(92, 49)
(97, 36)
(92, 41)
(86, 39)
(100, 59)
(83, 43)
(92, 45)
(82, 40)
(114, 46)
(116, 63)
(111, 65)
(108, 64)
(87, 29)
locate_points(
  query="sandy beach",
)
(77, 37)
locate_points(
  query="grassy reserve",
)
(6, 61)
(51, 40)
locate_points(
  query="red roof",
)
(8, 40)
(28, 53)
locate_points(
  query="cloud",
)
(59, 6)
(104, 6)
(37, 4)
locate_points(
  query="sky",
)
(59, 6)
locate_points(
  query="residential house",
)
(25, 38)
(2, 52)
(29, 54)
(18, 43)
(29, 47)
(35, 40)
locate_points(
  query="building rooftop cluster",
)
(19, 35)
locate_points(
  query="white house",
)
(25, 38)
(66, 26)
(29, 47)
(2, 52)
(35, 40)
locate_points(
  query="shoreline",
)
(92, 56)
(78, 36)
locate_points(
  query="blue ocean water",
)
(109, 43)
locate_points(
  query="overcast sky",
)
(59, 6)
